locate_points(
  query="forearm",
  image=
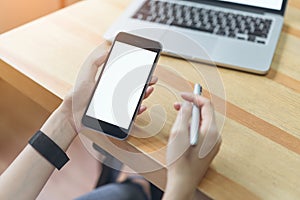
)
(29, 172)
(26, 176)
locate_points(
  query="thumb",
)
(96, 64)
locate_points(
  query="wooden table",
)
(259, 158)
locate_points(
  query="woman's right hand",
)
(187, 164)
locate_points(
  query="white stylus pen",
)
(195, 118)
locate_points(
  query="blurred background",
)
(14, 13)
(20, 117)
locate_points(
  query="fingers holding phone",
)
(148, 92)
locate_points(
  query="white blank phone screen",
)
(121, 84)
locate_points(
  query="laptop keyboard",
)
(227, 24)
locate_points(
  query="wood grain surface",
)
(259, 116)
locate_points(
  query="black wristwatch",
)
(49, 149)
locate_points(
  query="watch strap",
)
(49, 149)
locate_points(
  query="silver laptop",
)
(238, 34)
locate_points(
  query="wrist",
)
(59, 128)
(178, 190)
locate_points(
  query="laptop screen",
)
(269, 4)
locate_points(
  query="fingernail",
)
(149, 88)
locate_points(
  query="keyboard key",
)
(261, 42)
(221, 32)
(231, 35)
(251, 38)
(241, 31)
(258, 34)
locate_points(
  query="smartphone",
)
(122, 84)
